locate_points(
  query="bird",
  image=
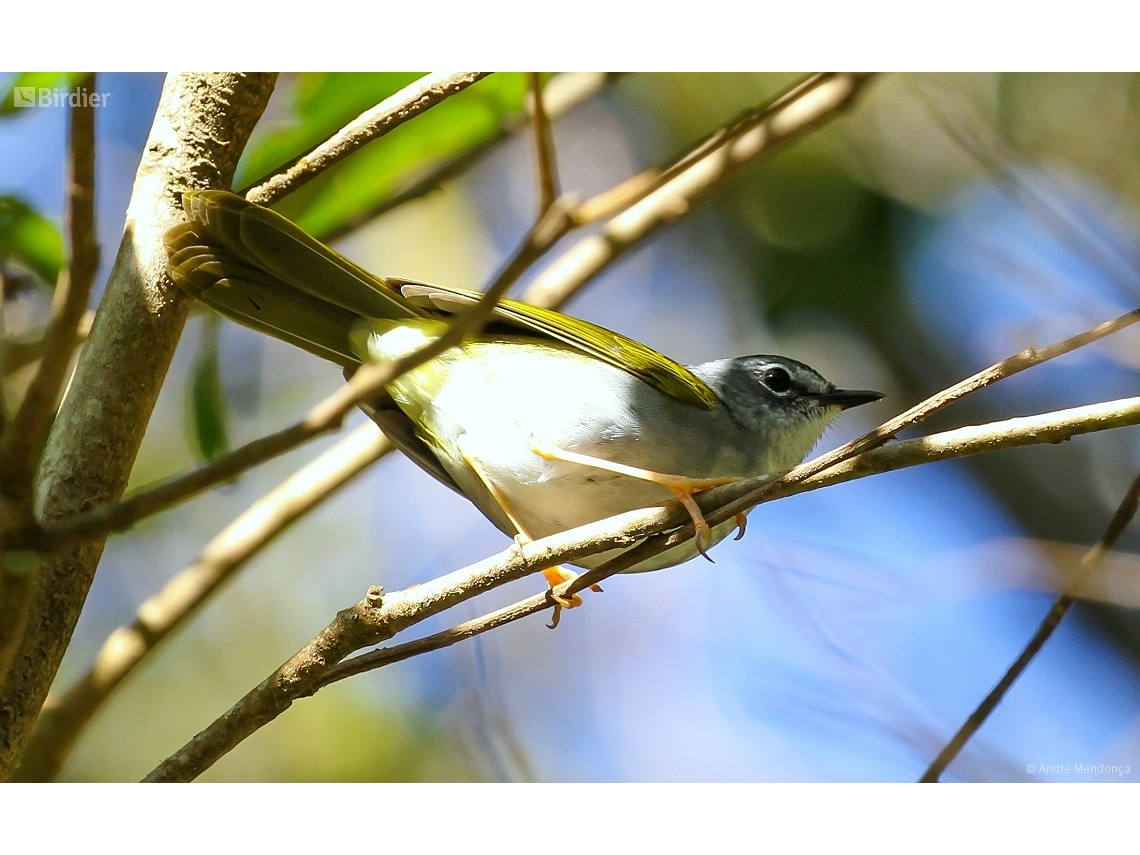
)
(545, 422)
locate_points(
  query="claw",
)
(556, 576)
(741, 525)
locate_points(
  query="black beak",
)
(847, 398)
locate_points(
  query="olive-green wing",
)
(631, 356)
(266, 240)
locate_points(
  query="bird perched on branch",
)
(544, 421)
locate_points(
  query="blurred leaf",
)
(10, 106)
(31, 238)
(207, 400)
(20, 562)
(392, 162)
(323, 103)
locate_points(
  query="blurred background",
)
(944, 223)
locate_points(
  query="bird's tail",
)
(259, 269)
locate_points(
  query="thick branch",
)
(1125, 513)
(64, 717)
(201, 125)
(372, 124)
(376, 619)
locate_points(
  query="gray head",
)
(779, 400)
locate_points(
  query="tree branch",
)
(64, 717)
(15, 354)
(711, 165)
(916, 414)
(562, 93)
(377, 618)
(1125, 513)
(372, 124)
(543, 147)
(201, 125)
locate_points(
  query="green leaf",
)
(323, 103)
(14, 102)
(386, 166)
(207, 410)
(31, 238)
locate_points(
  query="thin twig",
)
(561, 94)
(543, 147)
(15, 354)
(372, 124)
(23, 435)
(64, 716)
(757, 133)
(994, 152)
(377, 618)
(374, 659)
(1089, 564)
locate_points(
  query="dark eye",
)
(777, 379)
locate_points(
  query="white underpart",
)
(495, 401)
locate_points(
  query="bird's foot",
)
(555, 576)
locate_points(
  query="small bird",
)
(544, 421)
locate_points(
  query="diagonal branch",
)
(562, 93)
(372, 124)
(1089, 564)
(756, 134)
(377, 618)
(910, 452)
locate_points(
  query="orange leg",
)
(679, 485)
(554, 575)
